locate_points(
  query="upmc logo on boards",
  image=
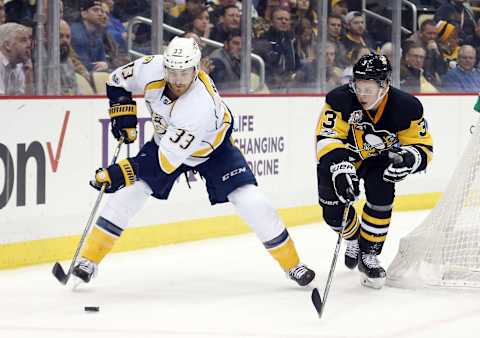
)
(33, 155)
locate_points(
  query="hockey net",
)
(445, 249)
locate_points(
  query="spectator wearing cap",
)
(226, 63)
(16, 75)
(447, 38)
(339, 8)
(228, 21)
(459, 14)
(356, 34)
(87, 36)
(465, 77)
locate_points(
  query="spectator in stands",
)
(356, 54)
(115, 27)
(2, 12)
(200, 24)
(217, 10)
(229, 20)
(334, 35)
(448, 42)
(339, 8)
(20, 11)
(303, 9)
(334, 73)
(475, 41)
(305, 42)
(68, 79)
(226, 63)
(356, 33)
(457, 13)
(281, 59)
(434, 65)
(16, 71)
(192, 7)
(116, 56)
(411, 70)
(87, 36)
(465, 77)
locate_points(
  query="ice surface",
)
(230, 287)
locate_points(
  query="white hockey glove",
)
(345, 181)
(405, 160)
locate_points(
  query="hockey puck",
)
(92, 308)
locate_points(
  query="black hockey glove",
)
(116, 176)
(404, 161)
(124, 121)
(345, 181)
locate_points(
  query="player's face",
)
(179, 80)
(368, 92)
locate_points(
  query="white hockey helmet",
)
(182, 53)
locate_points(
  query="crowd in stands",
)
(442, 56)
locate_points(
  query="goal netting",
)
(445, 249)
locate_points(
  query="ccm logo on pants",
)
(234, 172)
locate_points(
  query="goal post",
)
(444, 250)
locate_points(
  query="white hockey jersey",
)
(187, 129)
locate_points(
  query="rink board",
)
(51, 147)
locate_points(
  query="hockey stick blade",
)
(59, 273)
(317, 301)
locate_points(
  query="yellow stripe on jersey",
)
(206, 81)
(165, 164)
(155, 85)
(286, 255)
(417, 133)
(99, 243)
(375, 239)
(427, 152)
(375, 220)
(331, 124)
(327, 145)
(227, 122)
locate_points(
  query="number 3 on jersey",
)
(183, 138)
(329, 121)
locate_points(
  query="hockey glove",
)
(404, 161)
(124, 121)
(116, 176)
(345, 181)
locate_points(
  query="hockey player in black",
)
(371, 131)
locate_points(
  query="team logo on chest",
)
(369, 141)
(160, 124)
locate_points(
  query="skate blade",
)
(374, 283)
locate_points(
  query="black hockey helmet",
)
(373, 67)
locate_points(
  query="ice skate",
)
(85, 270)
(371, 273)
(351, 254)
(301, 274)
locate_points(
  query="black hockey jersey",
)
(345, 131)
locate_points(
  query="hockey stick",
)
(57, 269)
(316, 298)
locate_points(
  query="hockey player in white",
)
(193, 130)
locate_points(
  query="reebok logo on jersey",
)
(232, 173)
